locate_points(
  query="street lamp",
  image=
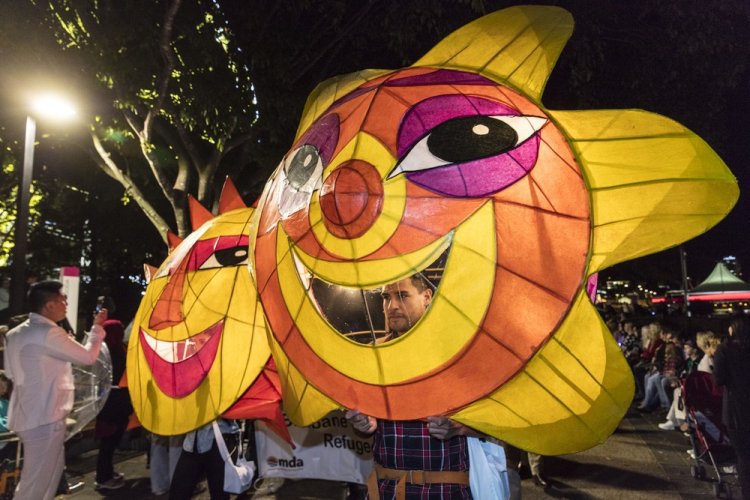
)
(44, 106)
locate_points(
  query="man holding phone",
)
(38, 357)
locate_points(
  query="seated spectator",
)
(710, 344)
(615, 328)
(665, 365)
(630, 343)
(676, 415)
(652, 342)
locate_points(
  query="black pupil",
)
(471, 138)
(231, 256)
(302, 166)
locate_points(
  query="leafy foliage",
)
(181, 95)
(8, 208)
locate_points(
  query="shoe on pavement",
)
(667, 426)
(114, 483)
(75, 486)
(540, 480)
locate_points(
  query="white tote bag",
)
(237, 478)
(488, 474)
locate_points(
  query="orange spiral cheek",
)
(351, 199)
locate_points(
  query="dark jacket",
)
(117, 409)
(732, 370)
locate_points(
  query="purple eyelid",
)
(430, 113)
(324, 135)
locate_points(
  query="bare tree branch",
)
(109, 166)
(165, 47)
(146, 150)
(188, 144)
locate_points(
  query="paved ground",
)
(638, 462)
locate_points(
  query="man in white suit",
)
(38, 355)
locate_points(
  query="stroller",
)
(707, 434)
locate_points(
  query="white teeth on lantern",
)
(304, 274)
(174, 352)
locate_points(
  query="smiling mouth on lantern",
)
(453, 317)
(357, 313)
(347, 293)
(180, 367)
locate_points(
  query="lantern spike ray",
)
(173, 240)
(230, 198)
(633, 198)
(516, 47)
(148, 272)
(199, 214)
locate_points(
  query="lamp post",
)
(47, 106)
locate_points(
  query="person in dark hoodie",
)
(112, 421)
(732, 371)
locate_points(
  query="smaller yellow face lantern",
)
(198, 340)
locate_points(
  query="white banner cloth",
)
(329, 449)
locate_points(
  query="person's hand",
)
(100, 317)
(444, 428)
(361, 422)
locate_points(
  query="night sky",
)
(685, 59)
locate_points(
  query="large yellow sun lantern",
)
(198, 348)
(454, 169)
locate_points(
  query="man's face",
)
(56, 308)
(404, 304)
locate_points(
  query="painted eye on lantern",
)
(224, 251)
(467, 139)
(232, 256)
(304, 168)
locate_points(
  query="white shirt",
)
(706, 364)
(38, 354)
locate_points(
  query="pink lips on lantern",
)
(180, 367)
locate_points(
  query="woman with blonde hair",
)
(711, 343)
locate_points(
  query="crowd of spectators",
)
(662, 356)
